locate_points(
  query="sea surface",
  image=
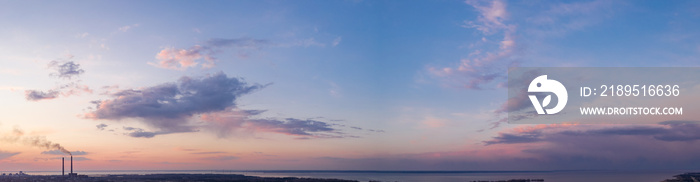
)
(415, 176)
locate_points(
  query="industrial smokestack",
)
(71, 164)
(63, 166)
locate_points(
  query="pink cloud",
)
(181, 59)
(178, 59)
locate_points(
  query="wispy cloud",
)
(221, 158)
(234, 120)
(74, 88)
(667, 145)
(668, 131)
(562, 18)
(128, 27)
(181, 59)
(669, 142)
(206, 153)
(5, 154)
(68, 70)
(204, 55)
(483, 65)
(336, 41)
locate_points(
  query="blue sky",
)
(420, 78)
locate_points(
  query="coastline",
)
(164, 177)
(375, 176)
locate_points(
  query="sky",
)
(337, 85)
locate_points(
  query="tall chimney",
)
(63, 166)
(71, 163)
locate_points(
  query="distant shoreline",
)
(335, 175)
(165, 177)
(318, 171)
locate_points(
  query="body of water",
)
(416, 176)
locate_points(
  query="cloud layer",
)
(621, 146)
(670, 145)
(236, 120)
(669, 131)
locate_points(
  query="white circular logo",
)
(542, 84)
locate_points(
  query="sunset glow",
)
(326, 85)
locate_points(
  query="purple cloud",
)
(234, 120)
(168, 106)
(507, 138)
(668, 131)
(141, 133)
(37, 95)
(101, 126)
(68, 69)
(171, 107)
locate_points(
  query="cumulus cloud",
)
(175, 107)
(180, 59)
(483, 67)
(36, 95)
(169, 106)
(141, 133)
(101, 126)
(65, 69)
